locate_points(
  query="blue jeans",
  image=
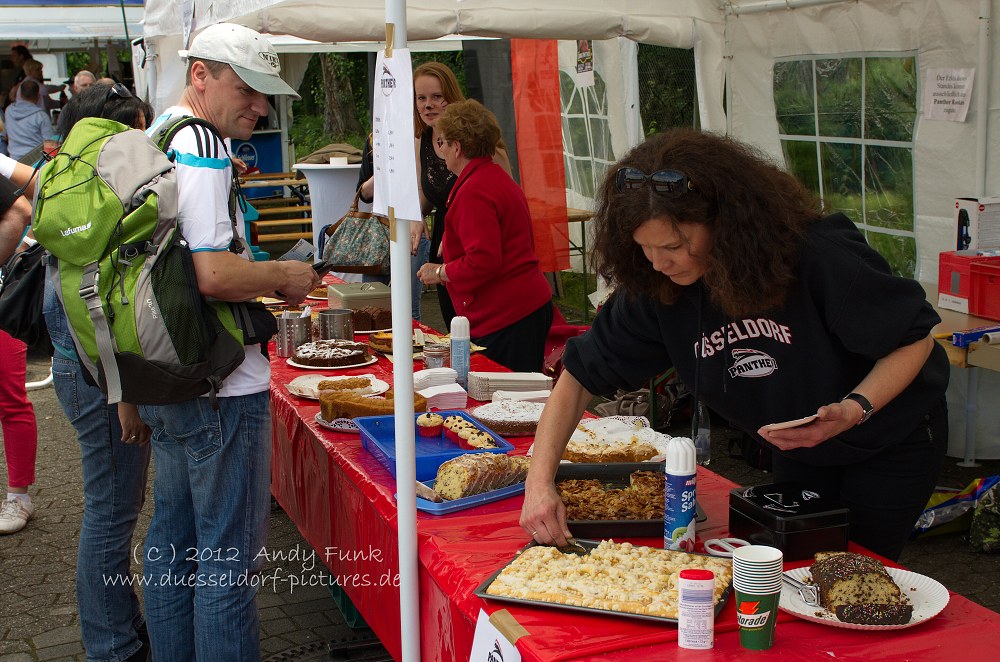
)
(114, 488)
(212, 500)
(417, 261)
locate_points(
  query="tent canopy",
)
(736, 44)
(68, 24)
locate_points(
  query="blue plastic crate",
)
(445, 507)
(378, 436)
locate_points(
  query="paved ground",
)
(38, 616)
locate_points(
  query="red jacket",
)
(488, 247)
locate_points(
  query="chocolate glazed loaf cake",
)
(858, 589)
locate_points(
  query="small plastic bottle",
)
(702, 435)
(680, 496)
(460, 349)
(696, 611)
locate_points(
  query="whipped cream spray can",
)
(679, 507)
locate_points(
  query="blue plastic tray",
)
(445, 507)
(378, 436)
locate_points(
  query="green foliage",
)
(306, 131)
(872, 184)
(667, 92)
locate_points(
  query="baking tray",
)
(615, 474)
(378, 437)
(586, 544)
(445, 507)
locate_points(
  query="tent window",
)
(586, 134)
(846, 127)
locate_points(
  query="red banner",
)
(535, 72)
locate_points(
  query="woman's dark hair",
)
(756, 214)
(111, 102)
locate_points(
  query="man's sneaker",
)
(14, 514)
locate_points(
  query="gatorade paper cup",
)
(756, 615)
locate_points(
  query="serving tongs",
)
(806, 591)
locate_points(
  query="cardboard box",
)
(955, 277)
(977, 223)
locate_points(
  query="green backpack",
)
(106, 209)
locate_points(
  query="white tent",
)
(736, 45)
(68, 25)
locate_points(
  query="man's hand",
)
(298, 280)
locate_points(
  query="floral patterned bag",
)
(358, 243)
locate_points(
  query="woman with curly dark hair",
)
(725, 269)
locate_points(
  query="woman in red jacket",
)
(490, 266)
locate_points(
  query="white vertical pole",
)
(402, 351)
(983, 73)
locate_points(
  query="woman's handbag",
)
(22, 289)
(358, 243)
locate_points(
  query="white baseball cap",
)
(248, 52)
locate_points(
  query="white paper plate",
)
(927, 596)
(305, 386)
(292, 363)
(371, 331)
(315, 298)
(337, 425)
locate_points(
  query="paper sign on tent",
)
(392, 138)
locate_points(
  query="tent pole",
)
(776, 5)
(406, 501)
(983, 74)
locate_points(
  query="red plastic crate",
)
(984, 291)
(955, 278)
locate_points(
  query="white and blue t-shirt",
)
(204, 179)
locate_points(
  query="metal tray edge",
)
(480, 591)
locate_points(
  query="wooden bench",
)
(283, 236)
(280, 229)
(284, 211)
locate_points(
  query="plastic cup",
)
(336, 324)
(757, 615)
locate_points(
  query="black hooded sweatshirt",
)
(844, 311)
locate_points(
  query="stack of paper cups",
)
(757, 581)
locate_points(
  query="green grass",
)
(572, 300)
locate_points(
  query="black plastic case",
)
(795, 519)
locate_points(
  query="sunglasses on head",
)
(671, 182)
(117, 90)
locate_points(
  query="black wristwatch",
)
(866, 406)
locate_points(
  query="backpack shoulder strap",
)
(165, 134)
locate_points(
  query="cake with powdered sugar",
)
(331, 353)
(510, 418)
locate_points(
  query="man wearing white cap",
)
(212, 499)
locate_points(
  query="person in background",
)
(17, 416)
(434, 87)
(81, 81)
(419, 243)
(212, 486)
(35, 70)
(114, 449)
(19, 54)
(26, 123)
(489, 264)
(727, 271)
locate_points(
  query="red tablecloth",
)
(341, 499)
